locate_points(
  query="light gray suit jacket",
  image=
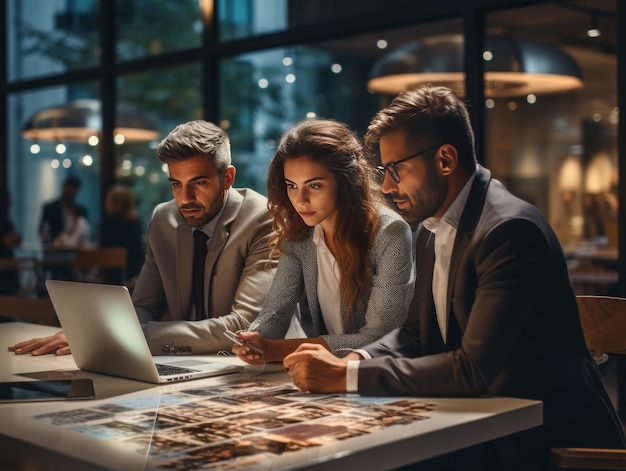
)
(388, 297)
(237, 268)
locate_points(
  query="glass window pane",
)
(147, 28)
(263, 94)
(165, 98)
(559, 150)
(38, 166)
(61, 36)
(244, 18)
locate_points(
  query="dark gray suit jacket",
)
(513, 326)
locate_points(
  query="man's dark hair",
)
(429, 115)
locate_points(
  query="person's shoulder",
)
(512, 217)
(251, 197)
(509, 206)
(252, 205)
(390, 217)
(387, 212)
(52, 204)
(164, 209)
(392, 229)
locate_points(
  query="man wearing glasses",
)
(493, 310)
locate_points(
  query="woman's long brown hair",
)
(337, 148)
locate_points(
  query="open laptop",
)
(105, 336)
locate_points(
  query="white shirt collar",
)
(318, 234)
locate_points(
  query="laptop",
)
(105, 336)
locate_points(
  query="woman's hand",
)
(255, 349)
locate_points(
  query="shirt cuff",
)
(352, 376)
(364, 354)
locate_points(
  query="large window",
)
(559, 150)
(164, 98)
(265, 93)
(257, 67)
(152, 27)
(37, 168)
(50, 37)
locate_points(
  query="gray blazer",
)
(389, 295)
(237, 268)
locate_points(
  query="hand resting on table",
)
(56, 344)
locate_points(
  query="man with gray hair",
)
(207, 265)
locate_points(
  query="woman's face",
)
(312, 191)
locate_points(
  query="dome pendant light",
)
(514, 66)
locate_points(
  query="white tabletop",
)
(29, 434)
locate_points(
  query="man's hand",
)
(313, 368)
(56, 343)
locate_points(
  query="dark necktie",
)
(199, 255)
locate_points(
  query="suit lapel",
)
(222, 231)
(219, 239)
(422, 310)
(309, 260)
(469, 219)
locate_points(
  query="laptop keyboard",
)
(168, 370)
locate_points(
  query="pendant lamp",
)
(514, 66)
(79, 120)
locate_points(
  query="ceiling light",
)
(594, 31)
(514, 66)
(81, 120)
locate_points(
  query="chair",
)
(604, 325)
(36, 310)
(101, 265)
(25, 272)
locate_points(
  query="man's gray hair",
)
(196, 138)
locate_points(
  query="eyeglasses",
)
(391, 166)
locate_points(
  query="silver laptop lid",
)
(102, 329)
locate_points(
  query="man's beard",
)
(211, 212)
(428, 200)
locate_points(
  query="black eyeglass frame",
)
(391, 166)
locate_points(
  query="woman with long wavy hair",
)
(344, 276)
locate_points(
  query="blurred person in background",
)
(9, 240)
(58, 216)
(121, 227)
(77, 235)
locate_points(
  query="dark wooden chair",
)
(36, 310)
(19, 268)
(101, 265)
(604, 325)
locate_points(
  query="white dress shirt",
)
(328, 278)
